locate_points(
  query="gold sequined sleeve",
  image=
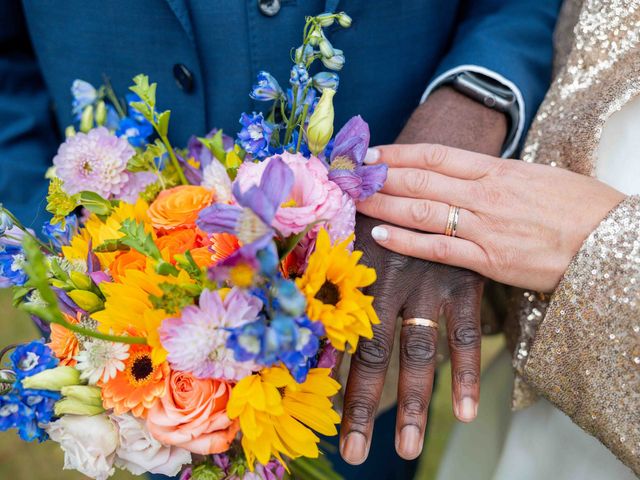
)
(586, 354)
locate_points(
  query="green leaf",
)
(112, 245)
(137, 238)
(215, 145)
(18, 295)
(146, 91)
(145, 160)
(57, 271)
(95, 203)
(286, 246)
(163, 123)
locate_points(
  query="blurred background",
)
(28, 461)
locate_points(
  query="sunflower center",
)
(328, 293)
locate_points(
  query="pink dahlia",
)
(197, 340)
(94, 161)
(313, 196)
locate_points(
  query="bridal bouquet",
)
(196, 298)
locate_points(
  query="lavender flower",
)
(347, 168)
(255, 135)
(94, 161)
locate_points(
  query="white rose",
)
(139, 452)
(89, 443)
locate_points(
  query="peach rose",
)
(193, 415)
(130, 260)
(179, 206)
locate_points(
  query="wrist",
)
(450, 118)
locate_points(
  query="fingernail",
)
(379, 233)
(354, 449)
(468, 409)
(372, 156)
(410, 442)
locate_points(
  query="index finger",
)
(437, 158)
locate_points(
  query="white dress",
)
(541, 442)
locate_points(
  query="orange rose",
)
(130, 260)
(179, 206)
(178, 241)
(64, 343)
(193, 415)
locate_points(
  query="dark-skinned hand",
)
(410, 288)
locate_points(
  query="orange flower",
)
(64, 343)
(193, 415)
(179, 206)
(178, 241)
(203, 256)
(223, 245)
(130, 260)
(138, 387)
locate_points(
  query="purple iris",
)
(347, 168)
(255, 135)
(250, 220)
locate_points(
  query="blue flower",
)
(32, 358)
(299, 76)
(255, 135)
(324, 80)
(5, 221)
(84, 94)
(59, 236)
(132, 112)
(12, 261)
(26, 411)
(302, 100)
(136, 133)
(266, 89)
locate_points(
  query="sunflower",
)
(277, 414)
(129, 308)
(64, 343)
(331, 283)
(138, 386)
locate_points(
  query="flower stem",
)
(174, 160)
(87, 332)
(303, 117)
(18, 224)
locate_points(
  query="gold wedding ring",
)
(452, 221)
(420, 322)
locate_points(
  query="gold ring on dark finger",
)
(420, 322)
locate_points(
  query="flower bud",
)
(207, 471)
(69, 132)
(101, 113)
(83, 393)
(303, 53)
(80, 280)
(8, 377)
(325, 19)
(5, 221)
(52, 379)
(88, 301)
(336, 62)
(324, 80)
(344, 20)
(320, 128)
(326, 49)
(86, 120)
(71, 406)
(315, 37)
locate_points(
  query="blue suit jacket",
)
(393, 50)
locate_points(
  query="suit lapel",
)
(179, 8)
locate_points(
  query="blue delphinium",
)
(267, 88)
(6, 223)
(32, 358)
(59, 236)
(84, 94)
(12, 261)
(302, 100)
(255, 135)
(134, 127)
(299, 76)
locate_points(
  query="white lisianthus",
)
(216, 178)
(139, 452)
(89, 443)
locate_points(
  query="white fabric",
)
(541, 442)
(509, 149)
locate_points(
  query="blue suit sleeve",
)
(28, 136)
(513, 38)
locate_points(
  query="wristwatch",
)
(492, 94)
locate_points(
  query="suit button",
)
(183, 76)
(269, 7)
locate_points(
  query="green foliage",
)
(145, 161)
(95, 203)
(313, 469)
(59, 203)
(174, 297)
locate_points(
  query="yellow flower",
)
(98, 231)
(128, 308)
(331, 285)
(277, 414)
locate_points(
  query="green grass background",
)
(30, 461)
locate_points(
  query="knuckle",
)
(374, 354)
(360, 410)
(434, 156)
(466, 377)
(420, 212)
(419, 348)
(465, 337)
(441, 251)
(416, 183)
(414, 404)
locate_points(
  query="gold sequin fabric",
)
(586, 354)
(598, 71)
